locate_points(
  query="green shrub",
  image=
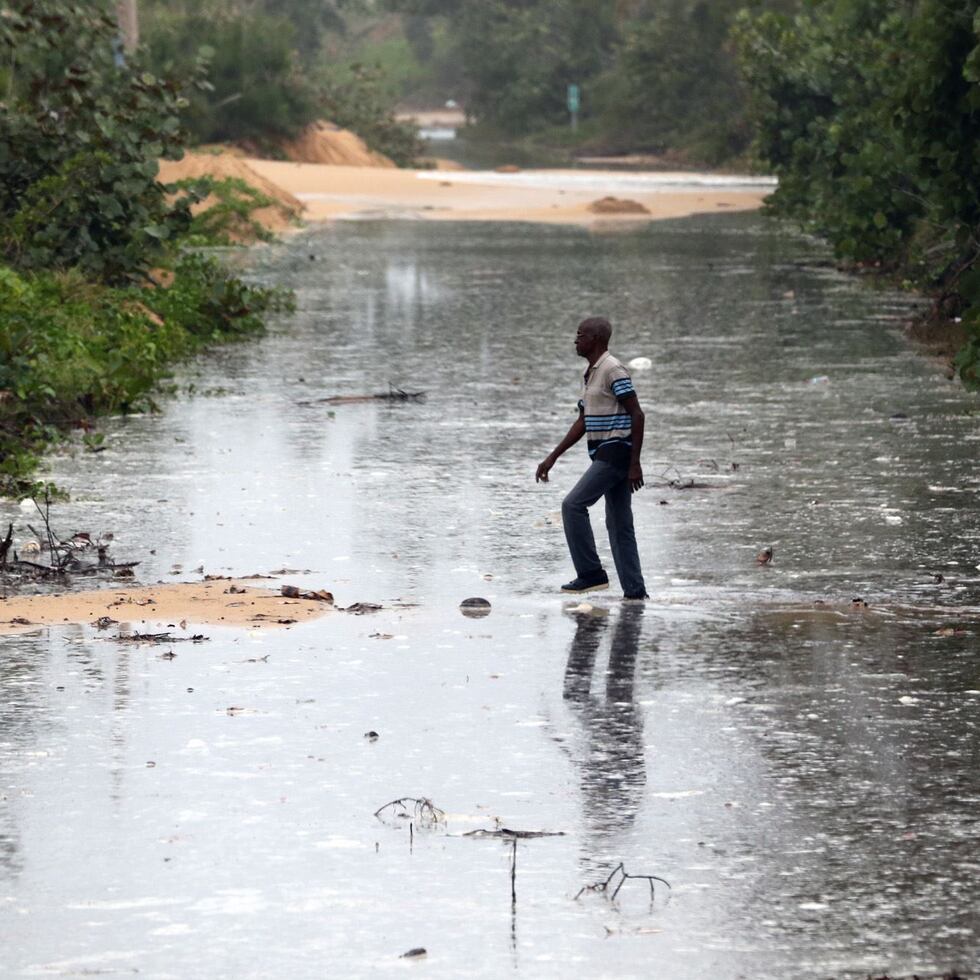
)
(208, 304)
(228, 219)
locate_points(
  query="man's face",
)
(583, 342)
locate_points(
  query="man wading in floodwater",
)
(610, 414)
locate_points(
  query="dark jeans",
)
(603, 480)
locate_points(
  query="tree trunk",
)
(129, 25)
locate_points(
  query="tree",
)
(80, 136)
(869, 113)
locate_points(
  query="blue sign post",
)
(573, 104)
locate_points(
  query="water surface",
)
(801, 768)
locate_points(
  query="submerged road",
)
(800, 768)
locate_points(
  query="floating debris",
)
(361, 608)
(475, 608)
(318, 595)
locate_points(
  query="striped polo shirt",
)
(607, 427)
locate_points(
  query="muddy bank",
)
(180, 605)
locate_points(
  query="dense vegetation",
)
(868, 111)
(84, 228)
(655, 76)
(269, 74)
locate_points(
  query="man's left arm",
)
(631, 404)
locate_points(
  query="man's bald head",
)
(597, 328)
(592, 338)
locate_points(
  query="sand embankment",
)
(178, 607)
(560, 197)
(284, 211)
(323, 142)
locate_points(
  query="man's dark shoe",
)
(635, 597)
(591, 584)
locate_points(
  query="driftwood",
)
(393, 394)
(505, 833)
(33, 569)
(159, 638)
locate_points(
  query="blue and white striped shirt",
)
(607, 427)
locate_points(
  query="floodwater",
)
(801, 769)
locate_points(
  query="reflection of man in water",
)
(610, 414)
(613, 769)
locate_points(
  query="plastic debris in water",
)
(640, 364)
(820, 379)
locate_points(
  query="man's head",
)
(592, 337)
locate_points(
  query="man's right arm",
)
(571, 437)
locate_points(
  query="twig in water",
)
(603, 886)
(513, 875)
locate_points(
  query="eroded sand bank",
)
(539, 196)
(178, 606)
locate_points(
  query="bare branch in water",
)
(425, 814)
(603, 887)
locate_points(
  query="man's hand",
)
(542, 474)
(636, 477)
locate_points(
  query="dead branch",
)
(423, 811)
(37, 569)
(602, 887)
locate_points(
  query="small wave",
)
(603, 181)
